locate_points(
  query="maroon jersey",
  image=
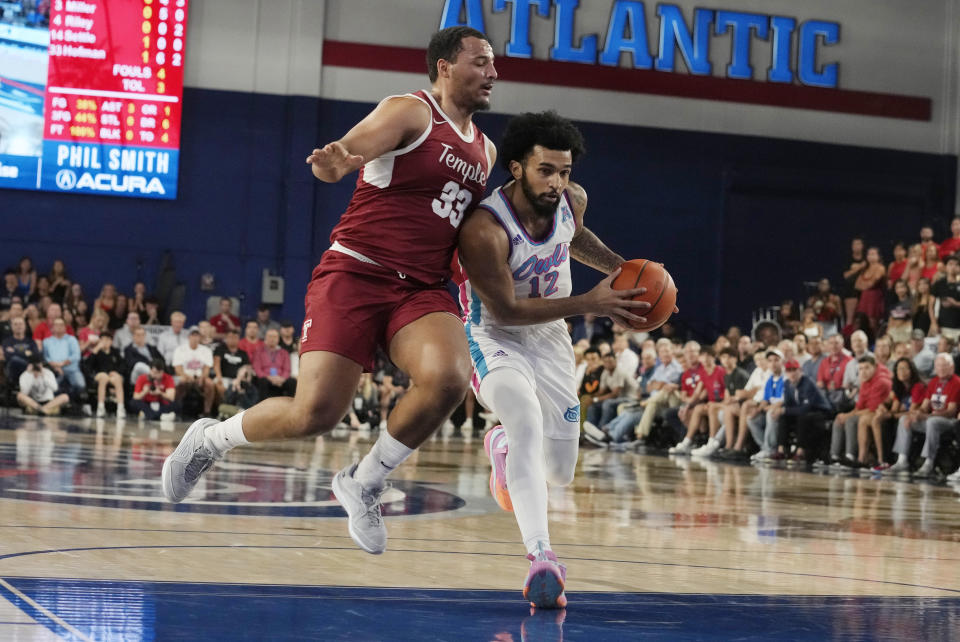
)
(409, 203)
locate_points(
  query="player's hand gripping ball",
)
(661, 291)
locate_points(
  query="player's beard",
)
(542, 206)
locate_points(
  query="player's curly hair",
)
(547, 129)
(446, 44)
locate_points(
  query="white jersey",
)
(540, 268)
(542, 353)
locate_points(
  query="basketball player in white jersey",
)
(515, 250)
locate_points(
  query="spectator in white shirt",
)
(38, 389)
(173, 338)
(124, 336)
(627, 360)
(192, 363)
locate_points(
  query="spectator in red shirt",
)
(952, 244)
(898, 266)
(154, 393)
(830, 373)
(251, 343)
(45, 328)
(908, 391)
(936, 415)
(271, 363)
(225, 320)
(875, 386)
(707, 396)
(677, 418)
(932, 267)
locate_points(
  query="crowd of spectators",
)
(862, 377)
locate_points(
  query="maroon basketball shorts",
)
(350, 314)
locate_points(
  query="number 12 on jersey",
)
(452, 203)
(550, 280)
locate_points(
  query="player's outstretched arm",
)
(586, 247)
(395, 123)
(485, 251)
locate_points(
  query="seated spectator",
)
(897, 269)
(59, 281)
(933, 269)
(207, 337)
(154, 395)
(900, 318)
(288, 340)
(38, 389)
(225, 320)
(106, 364)
(802, 355)
(62, 354)
(15, 311)
(745, 354)
(242, 392)
(41, 295)
(851, 371)
(18, 349)
(139, 355)
(365, 410)
(664, 388)
(908, 391)
(883, 352)
(228, 358)
(826, 305)
(124, 336)
(26, 279)
(809, 326)
(32, 315)
(74, 298)
(394, 384)
(870, 284)
(251, 343)
(926, 239)
(9, 290)
(830, 373)
(176, 336)
(708, 397)
(264, 322)
(192, 363)
(616, 387)
(677, 417)
(947, 292)
(107, 300)
(138, 303)
(118, 316)
(764, 425)
(922, 354)
(936, 415)
(628, 361)
(923, 301)
(915, 264)
(271, 363)
(152, 314)
(853, 427)
(45, 328)
(648, 364)
(952, 244)
(89, 335)
(805, 409)
(788, 318)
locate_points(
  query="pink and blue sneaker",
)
(545, 581)
(495, 445)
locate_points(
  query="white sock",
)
(533, 545)
(685, 442)
(227, 435)
(515, 403)
(901, 458)
(387, 453)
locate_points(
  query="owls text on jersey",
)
(539, 268)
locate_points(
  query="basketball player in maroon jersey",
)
(423, 163)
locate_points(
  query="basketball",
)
(661, 291)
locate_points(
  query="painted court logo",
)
(572, 413)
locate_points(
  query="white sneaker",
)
(364, 521)
(760, 455)
(170, 416)
(899, 467)
(593, 431)
(192, 457)
(121, 411)
(101, 410)
(706, 450)
(683, 448)
(926, 470)
(467, 424)
(955, 477)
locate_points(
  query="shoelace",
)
(371, 499)
(202, 460)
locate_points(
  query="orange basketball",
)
(661, 291)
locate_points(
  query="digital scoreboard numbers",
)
(113, 98)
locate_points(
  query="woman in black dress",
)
(855, 266)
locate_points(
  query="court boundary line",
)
(578, 559)
(479, 541)
(43, 616)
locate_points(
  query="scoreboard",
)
(111, 97)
